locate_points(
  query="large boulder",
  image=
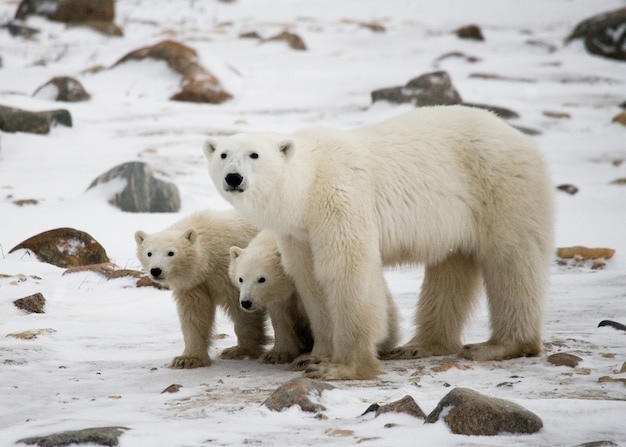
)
(603, 34)
(144, 192)
(13, 119)
(68, 11)
(429, 89)
(197, 84)
(62, 88)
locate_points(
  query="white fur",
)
(452, 187)
(191, 257)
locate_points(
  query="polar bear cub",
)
(192, 257)
(257, 272)
(452, 187)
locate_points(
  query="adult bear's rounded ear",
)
(191, 235)
(209, 147)
(287, 147)
(140, 236)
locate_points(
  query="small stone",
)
(173, 388)
(65, 247)
(564, 359)
(405, 405)
(467, 412)
(605, 379)
(566, 187)
(31, 335)
(293, 40)
(557, 115)
(623, 368)
(619, 181)
(32, 304)
(584, 252)
(598, 444)
(67, 11)
(297, 392)
(472, 32)
(62, 88)
(107, 436)
(620, 118)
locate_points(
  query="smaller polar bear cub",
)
(191, 257)
(263, 284)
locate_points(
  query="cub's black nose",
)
(156, 272)
(233, 179)
(246, 304)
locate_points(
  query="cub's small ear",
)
(235, 252)
(287, 147)
(209, 147)
(191, 236)
(140, 236)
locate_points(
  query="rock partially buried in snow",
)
(197, 84)
(426, 90)
(64, 247)
(405, 405)
(603, 34)
(297, 392)
(108, 436)
(143, 193)
(33, 304)
(68, 11)
(564, 359)
(467, 412)
(62, 88)
(13, 119)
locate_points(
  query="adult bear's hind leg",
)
(449, 293)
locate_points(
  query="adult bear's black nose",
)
(234, 179)
(156, 272)
(246, 304)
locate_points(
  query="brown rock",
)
(173, 388)
(426, 90)
(65, 89)
(405, 405)
(17, 120)
(68, 10)
(65, 247)
(566, 187)
(31, 335)
(564, 359)
(581, 252)
(197, 83)
(620, 118)
(470, 413)
(297, 392)
(602, 34)
(32, 304)
(293, 40)
(472, 32)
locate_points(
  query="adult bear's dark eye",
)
(223, 155)
(240, 279)
(170, 253)
(254, 155)
(261, 279)
(149, 254)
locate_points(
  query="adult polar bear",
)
(452, 187)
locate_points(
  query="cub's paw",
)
(276, 357)
(187, 362)
(239, 353)
(303, 362)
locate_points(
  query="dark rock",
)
(372, 408)
(426, 90)
(33, 304)
(18, 29)
(620, 117)
(405, 405)
(603, 34)
(470, 413)
(472, 32)
(613, 324)
(598, 444)
(144, 193)
(18, 120)
(64, 247)
(68, 10)
(108, 436)
(197, 83)
(297, 392)
(622, 105)
(250, 35)
(63, 88)
(173, 388)
(564, 359)
(570, 189)
(293, 40)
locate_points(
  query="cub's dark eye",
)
(149, 254)
(223, 155)
(240, 279)
(261, 279)
(254, 155)
(170, 253)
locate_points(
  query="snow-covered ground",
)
(101, 358)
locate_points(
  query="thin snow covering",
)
(104, 362)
